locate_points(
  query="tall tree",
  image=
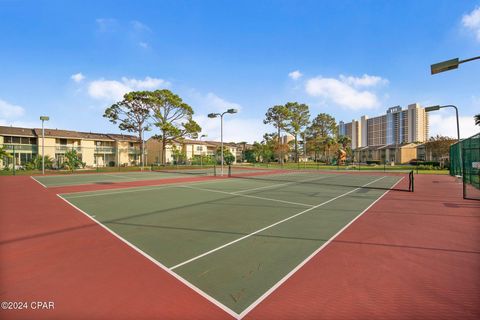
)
(298, 118)
(278, 116)
(132, 114)
(439, 147)
(322, 129)
(173, 117)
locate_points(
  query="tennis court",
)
(234, 240)
(117, 177)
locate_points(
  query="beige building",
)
(185, 149)
(397, 128)
(94, 149)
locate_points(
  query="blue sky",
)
(72, 59)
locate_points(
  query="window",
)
(15, 139)
(7, 139)
(199, 148)
(24, 140)
(62, 142)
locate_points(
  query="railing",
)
(132, 150)
(104, 149)
(63, 149)
(20, 147)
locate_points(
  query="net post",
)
(229, 170)
(411, 179)
(214, 170)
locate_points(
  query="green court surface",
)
(234, 239)
(114, 177)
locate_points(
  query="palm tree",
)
(4, 153)
(477, 119)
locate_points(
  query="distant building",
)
(187, 147)
(394, 130)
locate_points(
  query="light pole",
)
(214, 115)
(201, 153)
(448, 65)
(434, 108)
(43, 118)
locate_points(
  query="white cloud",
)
(295, 75)
(77, 77)
(446, 125)
(143, 45)
(364, 81)
(147, 83)
(234, 129)
(472, 21)
(210, 102)
(114, 90)
(10, 111)
(106, 24)
(139, 26)
(344, 91)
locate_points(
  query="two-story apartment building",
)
(187, 147)
(95, 149)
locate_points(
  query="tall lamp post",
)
(214, 115)
(43, 118)
(201, 153)
(434, 108)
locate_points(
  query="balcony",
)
(104, 149)
(20, 148)
(65, 148)
(132, 150)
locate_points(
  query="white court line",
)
(136, 189)
(248, 196)
(163, 267)
(38, 182)
(269, 226)
(279, 283)
(283, 184)
(119, 176)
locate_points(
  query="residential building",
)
(186, 148)
(94, 149)
(397, 129)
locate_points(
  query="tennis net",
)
(188, 170)
(398, 181)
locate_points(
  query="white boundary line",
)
(136, 189)
(248, 196)
(269, 226)
(285, 278)
(176, 276)
(39, 182)
(283, 184)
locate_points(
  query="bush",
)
(111, 164)
(373, 161)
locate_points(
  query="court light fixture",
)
(43, 118)
(215, 115)
(438, 107)
(448, 65)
